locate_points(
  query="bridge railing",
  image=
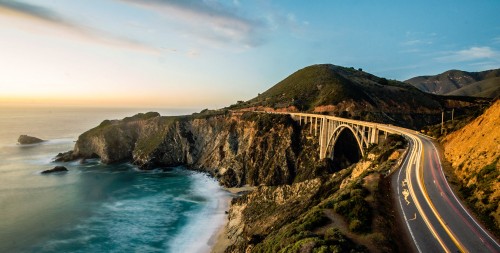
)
(384, 127)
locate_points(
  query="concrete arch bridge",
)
(331, 129)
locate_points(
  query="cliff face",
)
(474, 152)
(348, 211)
(299, 203)
(249, 149)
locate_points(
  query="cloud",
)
(416, 42)
(471, 54)
(56, 20)
(34, 11)
(496, 40)
(209, 20)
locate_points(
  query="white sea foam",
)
(202, 224)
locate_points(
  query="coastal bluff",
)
(237, 149)
(298, 196)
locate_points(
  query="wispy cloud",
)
(470, 54)
(56, 20)
(35, 11)
(496, 40)
(416, 42)
(209, 20)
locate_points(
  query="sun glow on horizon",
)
(212, 54)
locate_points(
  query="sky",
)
(212, 53)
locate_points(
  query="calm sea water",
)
(96, 207)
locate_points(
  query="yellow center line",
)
(431, 205)
(417, 203)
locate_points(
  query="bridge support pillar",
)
(374, 135)
(324, 133)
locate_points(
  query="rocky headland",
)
(238, 149)
(298, 195)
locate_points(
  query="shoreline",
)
(218, 241)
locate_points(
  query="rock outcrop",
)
(251, 149)
(474, 152)
(342, 212)
(26, 139)
(294, 205)
(55, 169)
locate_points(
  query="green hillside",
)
(489, 88)
(326, 84)
(350, 93)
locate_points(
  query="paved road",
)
(434, 217)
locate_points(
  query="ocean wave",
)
(204, 223)
(147, 212)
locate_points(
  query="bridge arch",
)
(346, 134)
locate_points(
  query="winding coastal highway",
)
(434, 217)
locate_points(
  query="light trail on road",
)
(441, 223)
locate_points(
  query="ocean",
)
(96, 207)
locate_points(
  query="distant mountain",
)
(351, 93)
(457, 82)
(489, 88)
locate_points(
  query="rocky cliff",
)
(302, 203)
(348, 211)
(474, 152)
(250, 148)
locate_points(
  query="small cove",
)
(96, 207)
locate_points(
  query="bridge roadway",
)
(435, 219)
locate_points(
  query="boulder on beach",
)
(26, 139)
(55, 169)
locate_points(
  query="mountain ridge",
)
(350, 93)
(451, 82)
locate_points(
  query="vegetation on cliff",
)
(342, 212)
(474, 154)
(351, 93)
(249, 148)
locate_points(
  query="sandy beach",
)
(219, 241)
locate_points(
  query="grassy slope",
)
(489, 88)
(310, 87)
(327, 84)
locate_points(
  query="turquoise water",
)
(96, 207)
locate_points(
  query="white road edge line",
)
(401, 204)
(454, 196)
